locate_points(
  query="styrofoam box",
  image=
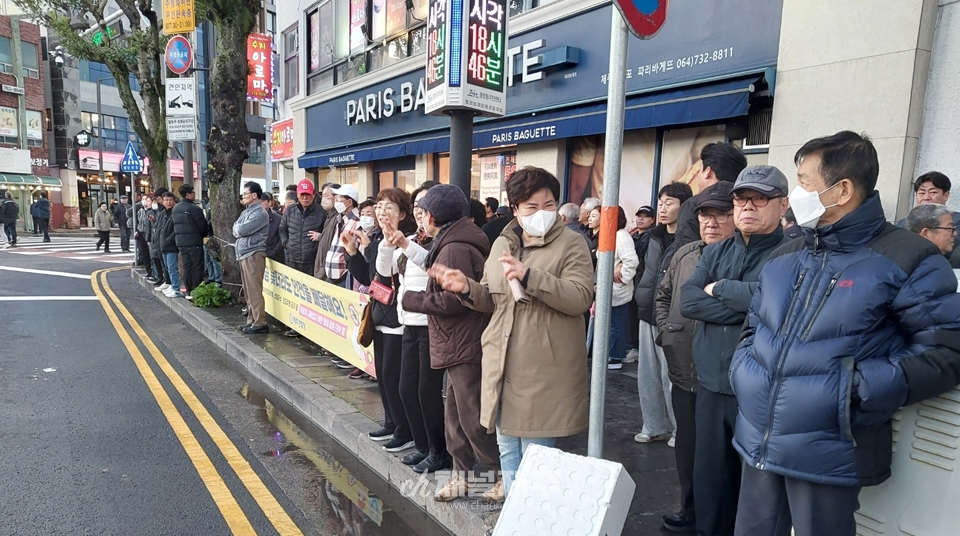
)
(557, 493)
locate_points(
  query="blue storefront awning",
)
(710, 102)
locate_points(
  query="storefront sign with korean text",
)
(281, 140)
(260, 77)
(466, 56)
(178, 17)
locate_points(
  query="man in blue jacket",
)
(718, 294)
(848, 324)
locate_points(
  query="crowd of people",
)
(775, 330)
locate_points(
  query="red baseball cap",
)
(305, 187)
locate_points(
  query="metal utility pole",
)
(188, 162)
(461, 149)
(100, 139)
(613, 147)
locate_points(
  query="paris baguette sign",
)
(466, 56)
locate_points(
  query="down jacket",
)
(651, 246)
(849, 324)
(535, 354)
(189, 224)
(413, 278)
(626, 257)
(294, 225)
(455, 330)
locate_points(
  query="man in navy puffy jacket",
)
(848, 324)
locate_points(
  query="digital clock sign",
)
(466, 56)
(487, 37)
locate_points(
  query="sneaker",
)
(291, 333)
(188, 296)
(632, 356)
(455, 488)
(163, 287)
(398, 445)
(414, 459)
(177, 295)
(680, 522)
(170, 292)
(646, 438)
(383, 434)
(432, 464)
(495, 494)
(357, 374)
(672, 442)
(343, 365)
(614, 365)
(150, 280)
(253, 330)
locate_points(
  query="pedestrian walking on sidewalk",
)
(103, 222)
(8, 217)
(421, 386)
(534, 348)
(43, 216)
(715, 214)
(818, 386)
(33, 215)
(718, 294)
(122, 221)
(455, 340)
(190, 227)
(250, 230)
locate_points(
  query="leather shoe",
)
(433, 463)
(680, 522)
(252, 329)
(413, 459)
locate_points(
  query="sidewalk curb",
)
(334, 416)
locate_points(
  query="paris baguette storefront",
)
(707, 76)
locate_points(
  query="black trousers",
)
(386, 361)
(770, 503)
(124, 238)
(421, 390)
(104, 240)
(191, 257)
(304, 267)
(159, 269)
(716, 466)
(143, 257)
(44, 224)
(685, 411)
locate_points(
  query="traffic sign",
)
(643, 17)
(181, 96)
(179, 55)
(181, 128)
(131, 162)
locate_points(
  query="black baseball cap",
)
(645, 209)
(718, 196)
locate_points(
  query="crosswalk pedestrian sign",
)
(131, 162)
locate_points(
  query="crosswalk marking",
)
(74, 248)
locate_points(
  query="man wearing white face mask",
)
(347, 220)
(849, 324)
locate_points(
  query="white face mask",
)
(341, 208)
(807, 206)
(154, 206)
(538, 223)
(326, 203)
(367, 222)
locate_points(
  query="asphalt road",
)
(103, 431)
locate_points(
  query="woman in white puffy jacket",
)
(421, 387)
(626, 263)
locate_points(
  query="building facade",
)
(24, 121)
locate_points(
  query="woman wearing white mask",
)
(534, 367)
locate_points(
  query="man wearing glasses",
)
(935, 223)
(718, 294)
(250, 229)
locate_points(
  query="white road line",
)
(25, 252)
(44, 272)
(48, 247)
(48, 298)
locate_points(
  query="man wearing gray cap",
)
(718, 294)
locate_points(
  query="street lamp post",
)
(100, 140)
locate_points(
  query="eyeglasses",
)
(719, 218)
(244, 194)
(759, 201)
(951, 229)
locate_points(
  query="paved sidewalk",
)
(348, 409)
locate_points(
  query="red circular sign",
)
(179, 55)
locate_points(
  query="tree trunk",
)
(228, 138)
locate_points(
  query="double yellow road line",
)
(232, 513)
